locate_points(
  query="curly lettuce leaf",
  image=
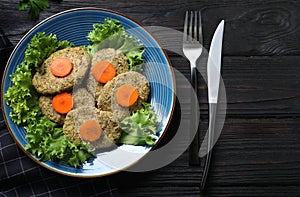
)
(111, 34)
(22, 97)
(41, 47)
(47, 141)
(102, 31)
(140, 128)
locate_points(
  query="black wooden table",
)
(258, 152)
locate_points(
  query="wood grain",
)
(264, 27)
(256, 86)
(250, 158)
(258, 151)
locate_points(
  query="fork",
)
(192, 49)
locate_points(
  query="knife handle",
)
(210, 140)
(195, 144)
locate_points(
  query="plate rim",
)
(74, 174)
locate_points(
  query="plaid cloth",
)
(20, 176)
(5, 49)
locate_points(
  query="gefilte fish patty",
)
(107, 99)
(111, 131)
(46, 83)
(81, 97)
(116, 58)
(45, 104)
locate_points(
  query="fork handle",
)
(195, 145)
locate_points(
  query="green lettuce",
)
(22, 97)
(140, 128)
(111, 34)
(47, 141)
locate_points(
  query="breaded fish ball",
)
(45, 82)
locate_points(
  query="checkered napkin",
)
(20, 176)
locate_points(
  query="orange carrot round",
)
(126, 95)
(90, 130)
(103, 71)
(62, 103)
(61, 67)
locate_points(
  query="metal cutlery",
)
(192, 49)
(213, 83)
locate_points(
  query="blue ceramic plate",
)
(74, 25)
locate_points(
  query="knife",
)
(213, 83)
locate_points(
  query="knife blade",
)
(213, 83)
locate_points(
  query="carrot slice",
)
(103, 71)
(61, 67)
(62, 103)
(90, 130)
(126, 95)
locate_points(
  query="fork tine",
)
(200, 28)
(192, 30)
(191, 26)
(195, 36)
(185, 26)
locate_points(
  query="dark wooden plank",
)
(258, 143)
(264, 27)
(255, 86)
(256, 156)
(251, 158)
(254, 191)
(262, 85)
